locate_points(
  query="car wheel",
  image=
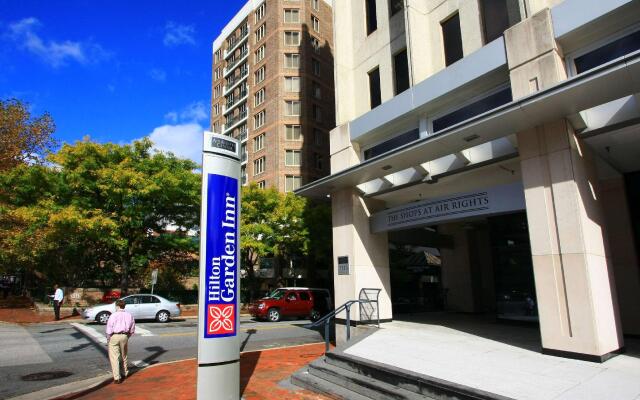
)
(103, 317)
(274, 315)
(314, 315)
(162, 316)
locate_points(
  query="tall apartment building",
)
(502, 138)
(273, 90)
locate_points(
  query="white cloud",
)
(194, 112)
(183, 140)
(176, 34)
(54, 53)
(158, 74)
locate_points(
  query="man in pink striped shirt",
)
(119, 327)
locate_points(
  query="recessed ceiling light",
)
(470, 138)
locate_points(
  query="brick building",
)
(273, 90)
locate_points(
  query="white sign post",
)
(219, 303)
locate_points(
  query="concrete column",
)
(573, 275)
(368, 253)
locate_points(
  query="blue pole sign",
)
(221, 257)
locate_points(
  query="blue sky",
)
(114, 70)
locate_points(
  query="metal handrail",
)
(347, 307)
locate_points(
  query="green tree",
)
(272, 223)
(23, 138)
(99, 206)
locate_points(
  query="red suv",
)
(292, 302)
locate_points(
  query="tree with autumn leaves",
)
(98, 212)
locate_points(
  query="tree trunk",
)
(124, 282)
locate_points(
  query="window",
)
(258, 166)
(372, 18)
(217, 90)
(258, 142)
(292, 158)
(304, 296)
(292, 83)
(260, 32)
(259, 14)
(218, 73)
(317, 112)
(292, 60)
(496, 99)
(318, 138)
(218, 55)
(316, 4)
(610, 51)
(260, 53)
(315, 43)
(452, 38)
(317, 161)
(292, 38)
(293, 132)
(315, 90)
(216, 109)
(391, 144)
(401, 70)
(216, 126)
(260, 74)
(315, 66)
(258, 119)
(259, 97)
(292, 108)
(292, 182)
(243, 174)
(291, 16)
(315, 22)
(498, 16)
(262, 185)
(395, 6)
(374, 88)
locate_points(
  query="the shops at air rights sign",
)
(221, 257)
(488, 201)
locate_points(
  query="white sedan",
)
(141, 306)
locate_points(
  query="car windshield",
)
(276, 294)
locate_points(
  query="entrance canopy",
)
(609, 82)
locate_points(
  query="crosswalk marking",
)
(92, 333)
(143, 332)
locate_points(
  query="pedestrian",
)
(120, 327)
(58, 298)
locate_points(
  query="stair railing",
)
(367, 296)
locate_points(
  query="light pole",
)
(218, 302)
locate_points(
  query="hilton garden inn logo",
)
(221, 255)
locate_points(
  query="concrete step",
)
(425, 386)
(305, 380)
(366, 386)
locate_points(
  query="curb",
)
(68, 390)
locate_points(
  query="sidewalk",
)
(264, 375)
(32, 315)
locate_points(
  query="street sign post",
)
(219, 303)
(154, 278)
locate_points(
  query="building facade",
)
(273, 90)
(485, 161)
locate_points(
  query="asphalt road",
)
(77, 350)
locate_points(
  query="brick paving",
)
(260, 375)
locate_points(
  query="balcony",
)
(235, 80)
(233, 121)
(241, 57)
(243, 135)
(234, 42)
(242, 97)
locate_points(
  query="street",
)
(30, 355)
